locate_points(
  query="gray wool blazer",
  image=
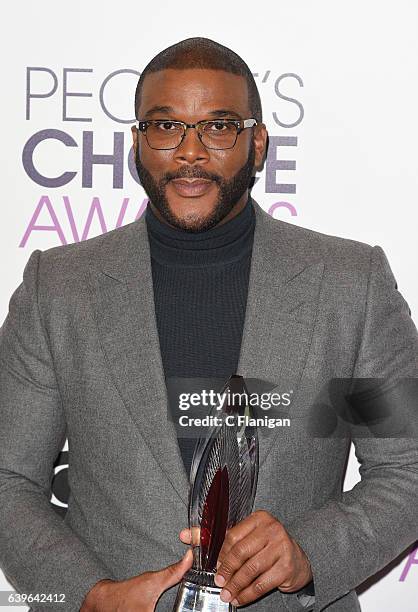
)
(80, 359)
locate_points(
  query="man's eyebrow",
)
(220, 112)
(224, 112)
(159, 109)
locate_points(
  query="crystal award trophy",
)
(223, 480)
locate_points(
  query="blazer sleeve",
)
(39, 552)
(349, 539)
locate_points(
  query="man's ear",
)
(261, 144)
(134, 138)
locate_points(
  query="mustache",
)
(191, 173)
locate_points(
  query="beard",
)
(229, 191)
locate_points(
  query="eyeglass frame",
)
(242, 124)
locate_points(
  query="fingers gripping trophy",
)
(223, 481)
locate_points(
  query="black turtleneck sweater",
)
(200, 291)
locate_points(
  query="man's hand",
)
(258, 555)
(137, 594)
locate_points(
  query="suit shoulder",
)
(70, 259)
(336, 251)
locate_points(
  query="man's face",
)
(191, 96)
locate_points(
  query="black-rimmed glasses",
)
(165, 134)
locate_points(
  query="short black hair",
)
(202, 53)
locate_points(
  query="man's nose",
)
(191, 148)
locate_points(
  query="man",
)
(205, 284)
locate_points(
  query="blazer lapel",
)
(285, 279)
(281, 307)
(122, 292)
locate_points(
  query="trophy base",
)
(193, 596)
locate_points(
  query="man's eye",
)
(218, 126)
(167, 126)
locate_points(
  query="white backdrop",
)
(340, 98)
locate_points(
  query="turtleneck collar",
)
(221, 244)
